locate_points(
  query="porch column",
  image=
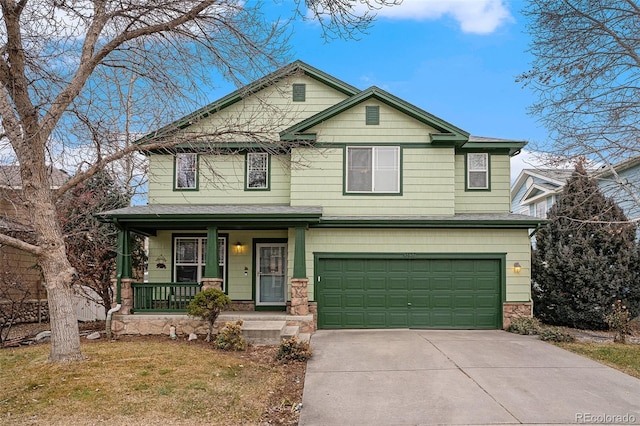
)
(299, 282)
(124, 272)
(212, 278)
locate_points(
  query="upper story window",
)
(299, 92)
(373, 169)
(257, 170)
(477, 171)
(372, 115)
(541, 209)
(186, 171)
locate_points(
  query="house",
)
(536, 190)
(21, 279)
(362, 211)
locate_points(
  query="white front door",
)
(271, 274)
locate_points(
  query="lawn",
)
(625, 358)
(148, 381)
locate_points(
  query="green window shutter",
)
(299, 92)
(372, 115)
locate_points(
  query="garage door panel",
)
(426, 293)
(463, 283)
(442, 283)
(375, 300)
(353, 301)
(331, 301)
(463, 301)
(398, 283)
(398, 319)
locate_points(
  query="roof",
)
(236, 96)
(619, 167)
(10, 177)
(148, 219)
(557, 177)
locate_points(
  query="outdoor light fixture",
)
(517, 268)
(238, 247)
(161, 262)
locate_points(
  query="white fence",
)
(87, 307)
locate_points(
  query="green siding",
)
(497, 200)
(221, 181)
(397, 292)
(427, 187)
(513, 242)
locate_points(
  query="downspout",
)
(111, 311)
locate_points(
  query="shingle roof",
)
(210, 209)
(10, 177)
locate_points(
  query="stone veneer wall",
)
(511, 310)
(32, 311)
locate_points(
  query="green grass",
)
(625, 358)
(134, 382)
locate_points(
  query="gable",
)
(265, 89)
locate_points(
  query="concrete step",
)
(304, 337)
(263, 332)
(289, 332)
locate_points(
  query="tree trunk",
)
(56, 269)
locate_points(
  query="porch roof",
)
(150, 218)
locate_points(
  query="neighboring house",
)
(368, 211)
(18, 266)
(535, 190)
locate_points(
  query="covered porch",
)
(259, 261)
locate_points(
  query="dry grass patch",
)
(625, 358)
(141, 381)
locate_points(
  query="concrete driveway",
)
(415, 377)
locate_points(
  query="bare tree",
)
(586, 73)
(68, 68)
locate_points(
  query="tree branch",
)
(20, 245)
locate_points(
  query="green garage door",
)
(401, 293)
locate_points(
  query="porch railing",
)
(163, 297)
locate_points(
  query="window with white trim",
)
(541, 209)
(257, 170)
(373, 169)
(186, 171)
(477, 171)
(189, 254)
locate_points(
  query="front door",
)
(271, 274)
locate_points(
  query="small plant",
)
(524, 325)
(555, 334)
(294, 350)
(230, 337)
(207, 305)
(619, 320)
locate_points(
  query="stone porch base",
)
(511, 310)
(159, 324)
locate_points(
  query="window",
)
(372, 115)
(299, 92)
(373, 169)
(189, 258)
(478, 171)
(257, 169)
(186, 171)
(541, 209)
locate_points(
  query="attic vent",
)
(299, 92)
(372, 115)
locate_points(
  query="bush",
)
(555, 334)
(293, 350)
(230, 337)
(524, 325)
(207, 305)
(619, 320)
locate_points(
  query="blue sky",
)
(457, 59)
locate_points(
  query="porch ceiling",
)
(151, 218)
